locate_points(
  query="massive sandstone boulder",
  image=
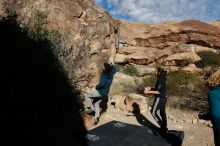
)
(168, 34)
(140, 55)
(89, 34)
(124, 83)
(181, 58)
(143, 44)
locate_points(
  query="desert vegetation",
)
(39, 32)
(209, 59)
(128, 69)
(185, 90)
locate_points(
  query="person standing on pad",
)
(160, 92)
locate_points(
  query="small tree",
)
(131, 70)
(208, 58)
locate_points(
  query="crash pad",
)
(117, 133)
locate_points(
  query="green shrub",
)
(185, 90)
(208, 58)
(127, 69)
(40, 19)
(185, 84)
(38, 31)
(8, 9)
(54, 37)
(119, 68)
(131, 70)
(149, 81)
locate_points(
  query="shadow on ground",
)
(174, 138)
(39, 106)
(117, 133)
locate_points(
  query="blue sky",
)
(157, 11)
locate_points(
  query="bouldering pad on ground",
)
(122, 134)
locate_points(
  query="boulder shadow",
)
(39, 105)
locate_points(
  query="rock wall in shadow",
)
(39, 106)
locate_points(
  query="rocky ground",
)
(197, 132)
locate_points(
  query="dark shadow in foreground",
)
(173, 137)
(39, 106)
(116, 133)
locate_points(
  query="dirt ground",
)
(197, 133)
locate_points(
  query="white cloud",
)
(161, 10)
(98, 2)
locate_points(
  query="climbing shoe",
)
(96, 120)
(89, 110)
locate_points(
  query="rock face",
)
(90, 36)
(126, 102)
(170, 43)
(88, 33)
(140, 55)
(215, 23)
(181, 58)
(124, 83)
